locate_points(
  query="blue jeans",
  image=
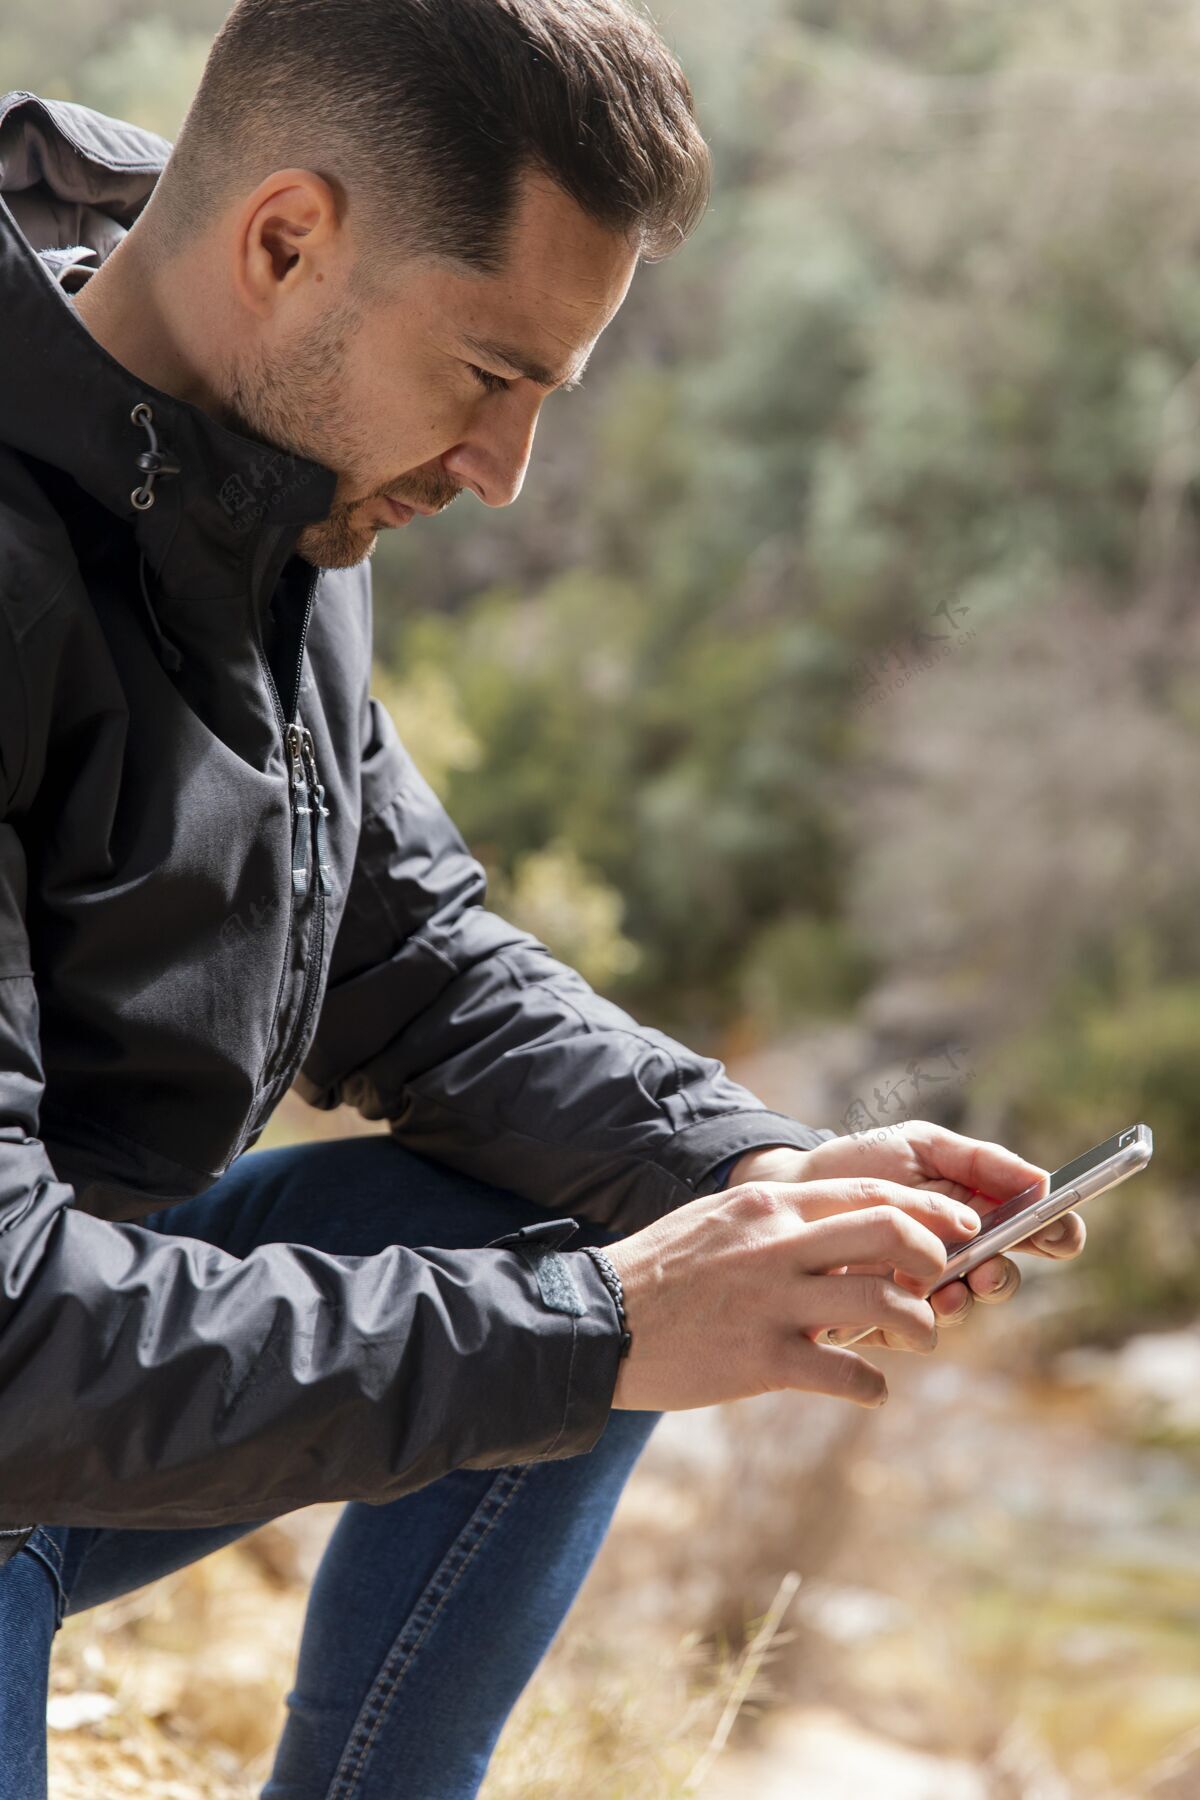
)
(428, 1614)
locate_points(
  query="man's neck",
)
(121, 303)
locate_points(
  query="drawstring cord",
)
(153, 463)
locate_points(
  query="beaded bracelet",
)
(612, 1282)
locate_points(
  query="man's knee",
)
(31, 1582)
(351, 1196)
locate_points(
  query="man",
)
(386, 232)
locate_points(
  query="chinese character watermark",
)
(243, 925)
(884, 672)
(938, 1071)
(249, 497)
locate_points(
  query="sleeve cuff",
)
(718, 1178)
(573, 1287)
(696, 1153)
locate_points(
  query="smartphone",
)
(1113, 1161)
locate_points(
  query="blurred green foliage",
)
(927, 372)
(1121, 1046)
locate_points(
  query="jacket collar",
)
(225, 509)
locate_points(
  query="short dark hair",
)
(424, 114)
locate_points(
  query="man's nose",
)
(492, 461)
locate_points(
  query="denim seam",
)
(421, 1621)
(47, 1552)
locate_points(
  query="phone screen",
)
(1063, 1178)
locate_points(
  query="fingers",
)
(953, 1304)
(869, 1303)
(944, 1214)
(985, 1167)
(993, 1282)
(1071, 1241)
(820, 1369)
(882, 1234)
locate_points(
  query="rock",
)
(67, 1712)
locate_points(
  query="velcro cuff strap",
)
(537, 1244)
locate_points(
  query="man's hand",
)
(725, 1296)
(918, 1154)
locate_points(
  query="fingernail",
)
(1056, 1233)
(970, 1220)
(995, 1283)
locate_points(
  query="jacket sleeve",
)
(154, 1381)
(484, 1052)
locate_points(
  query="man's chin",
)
(336, 546)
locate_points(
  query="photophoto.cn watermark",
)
(880, 673)
(937, 1072)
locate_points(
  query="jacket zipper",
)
(320, 813)
(306, 795)
(301, 811)
(315, 790)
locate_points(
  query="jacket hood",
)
(216, 510)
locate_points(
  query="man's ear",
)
(283, 233)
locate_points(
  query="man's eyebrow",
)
(522, 365)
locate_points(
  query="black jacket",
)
(180, 942)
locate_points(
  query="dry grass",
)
(939, 1636)
(193, 1670)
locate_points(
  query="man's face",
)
(409, 394)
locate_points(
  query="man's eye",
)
(495, 384)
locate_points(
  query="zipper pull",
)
(301, 830)
(320, 810)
